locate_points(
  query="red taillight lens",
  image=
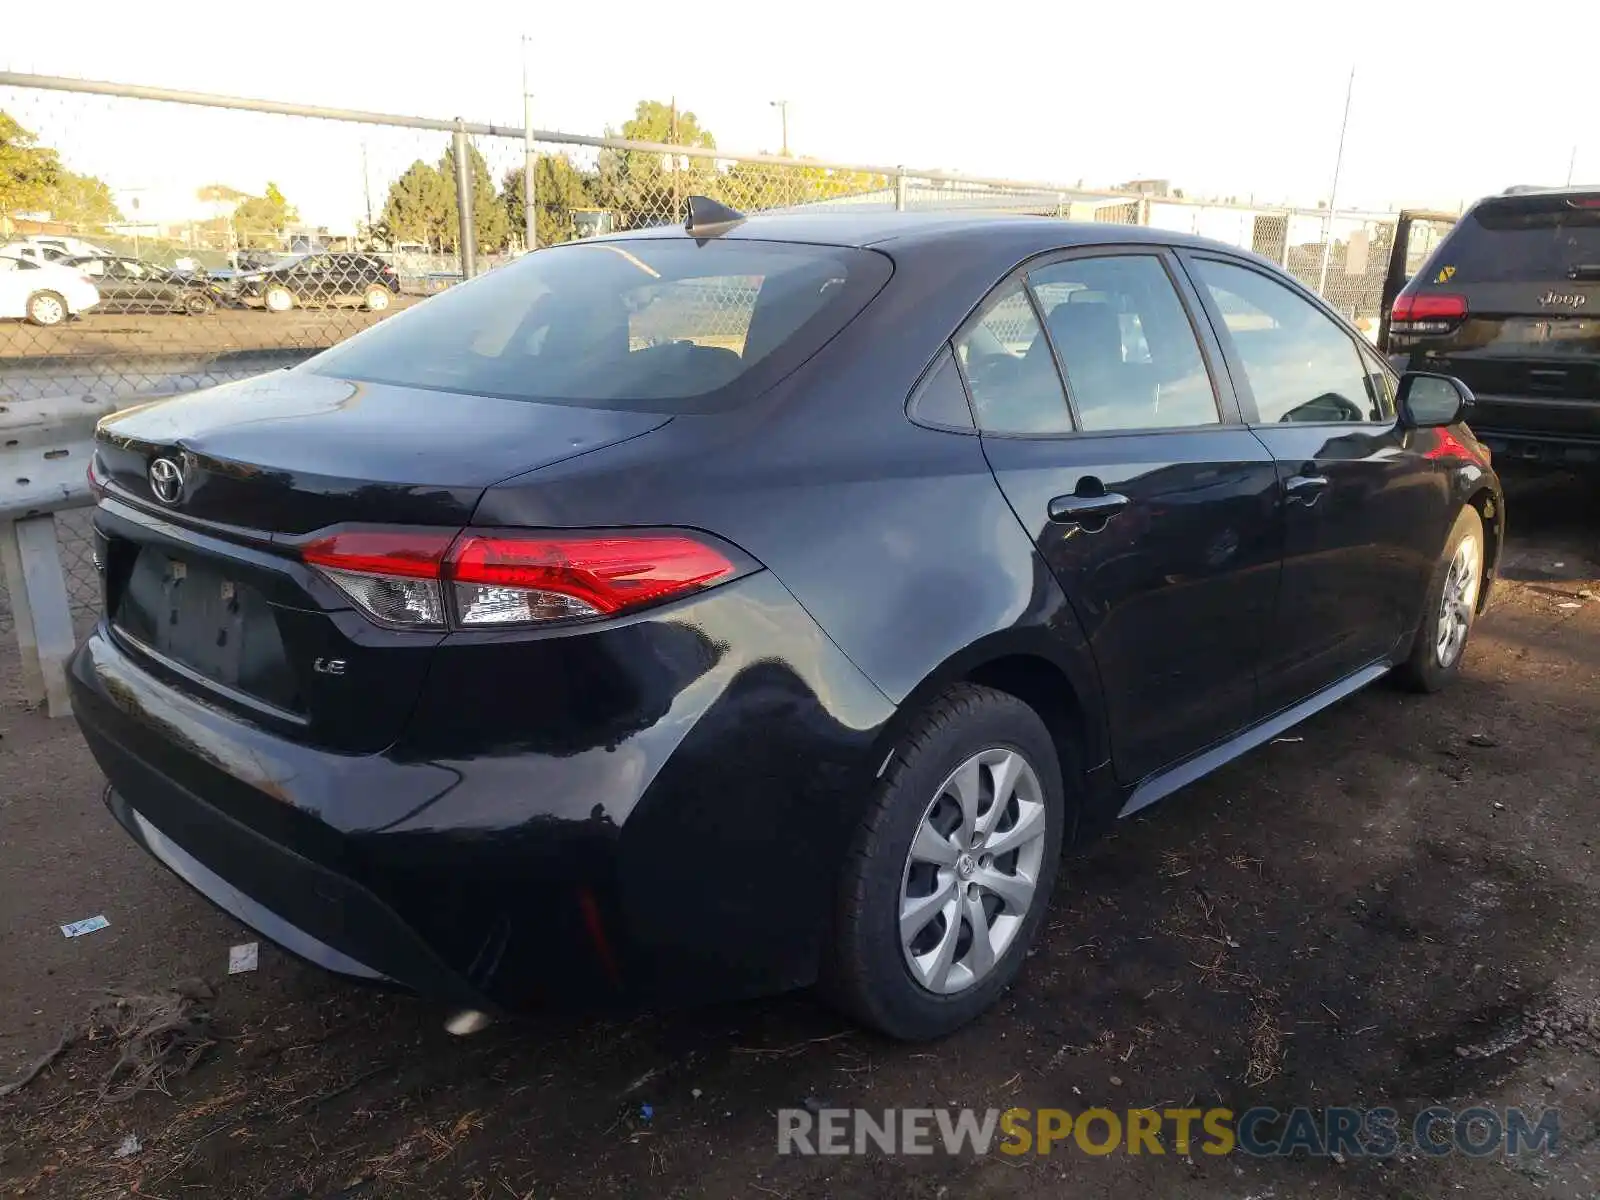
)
(391, 574)
(605, 573)
(1422, 313)
(1428, 306)
(400, 577)
(407, 553)
(1447, 447)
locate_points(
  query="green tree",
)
(489, 224)
(82, 200)
(646, 188)
(261, 220)
(559, 188)
(28, 171)
(752, 186)
(221, 193)
(419, 207)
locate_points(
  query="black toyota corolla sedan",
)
(710, 611)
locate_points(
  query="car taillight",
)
(391, 574)
(1447, 447)
(1427, 312)
(472, 579)
(97, 487)
(85, 278)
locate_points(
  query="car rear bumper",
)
(1560, 431)
(688, 855)
(296, 884)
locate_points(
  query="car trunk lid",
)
(209, 586)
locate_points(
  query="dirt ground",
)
(1398, 904)
(133, 335)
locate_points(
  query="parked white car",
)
(33, 252)
(48, 248)
(43, 292)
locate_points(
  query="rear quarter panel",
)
(895, 538)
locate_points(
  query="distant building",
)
(965, 197)
(1158, 188)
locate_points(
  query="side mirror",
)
(1427, 401)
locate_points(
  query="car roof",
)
(909, 232)
(1525, 192)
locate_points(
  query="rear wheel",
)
(952, 868)
(278, 298)
(375, 298)
(47, 308)
(1449, 610)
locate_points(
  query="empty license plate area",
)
(191, 613)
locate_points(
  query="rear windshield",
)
(662, 324)
(1543, 239)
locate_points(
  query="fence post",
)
(44, 448)
(21, 613)
(48, 605)
(1288, 217)
(900, 189)
(469, 264)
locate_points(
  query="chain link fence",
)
(155, 242)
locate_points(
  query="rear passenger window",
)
(939, 399)
(1300, 364)
(1011, 375)
(1130, 354)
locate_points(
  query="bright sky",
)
(1232, 97)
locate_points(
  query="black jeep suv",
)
(1509, 303)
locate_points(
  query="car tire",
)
(278, 299)
(47, 308)
(376, 298)
(1449, 610)
(196, 304)
(934, 980)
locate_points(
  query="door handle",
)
(1304, 489)
(1073, 509)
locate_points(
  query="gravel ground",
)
(1399, 908)
(133, 335)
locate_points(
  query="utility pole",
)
(1333, 190)
(672, 138)
(366, 186)
(530, 220)
(1572, 164)
(783, 113)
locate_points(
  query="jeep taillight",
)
(1421, 313)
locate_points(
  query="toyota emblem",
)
(166, 480)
